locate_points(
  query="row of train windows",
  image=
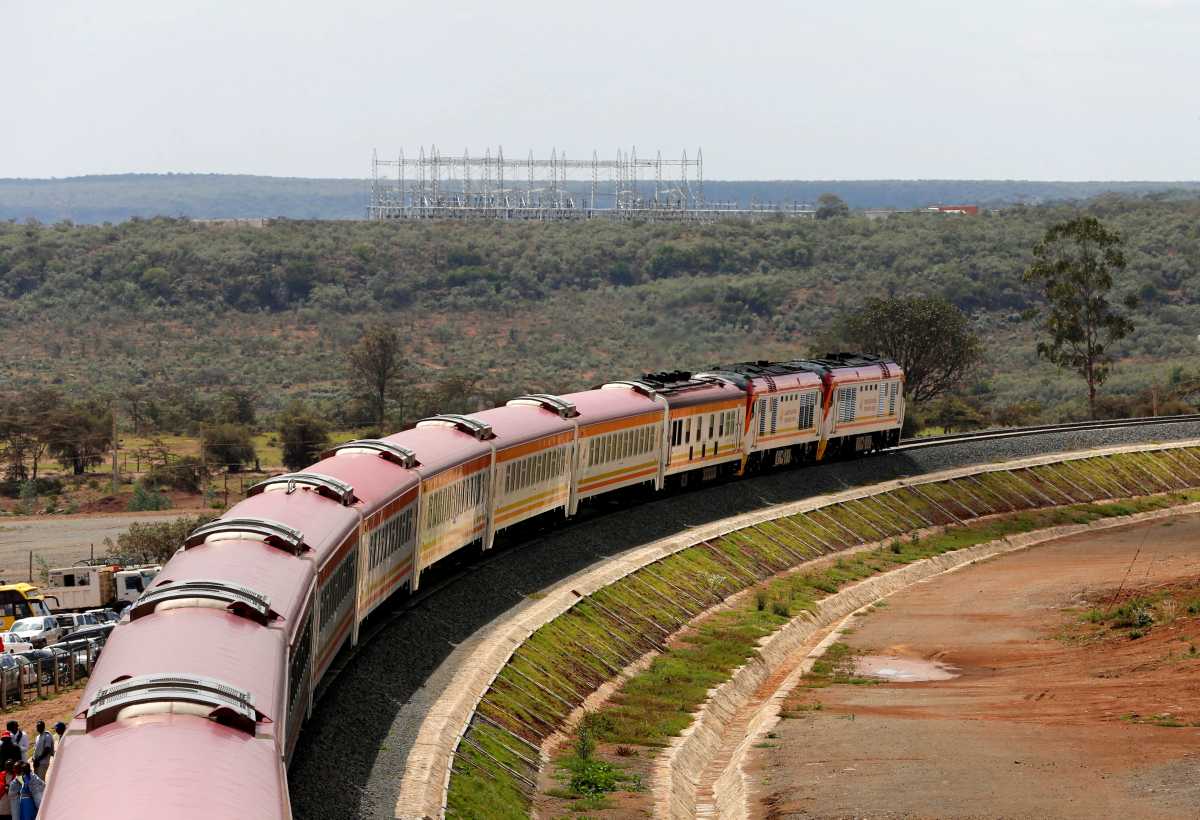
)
(771, 409)
(534, 469)
(685, 431)
(884, 396)
(622, 444)
(449, 502)
(393, 535)
(337, 590)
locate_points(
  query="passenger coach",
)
(202, 690)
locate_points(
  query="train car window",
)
(711, 421)
(762, 417)
(895, 387)
(881, 400)
(848, 399)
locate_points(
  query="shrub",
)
(760, 600)
(147, 498)
(186, 474)
(780, 608)
(584, 744)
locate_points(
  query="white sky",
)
(1055, 89)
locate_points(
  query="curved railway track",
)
(370, 707)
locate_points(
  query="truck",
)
(80, 588)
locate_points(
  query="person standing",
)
(20, 738)
(25, 792)
(9, 753)
(43, 750)
(6, 777)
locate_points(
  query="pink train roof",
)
(200, 641)
(518, 424)
(274, 572)
(324, 522)
(600, 405)
(375, 480)
(439, 448)
(181, 767)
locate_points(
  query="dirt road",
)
(1046, 715)
(62, 539)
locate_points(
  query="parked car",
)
(104, 616)
(98, 632)
(44, 660)
(16, 675)
(70, 621)
(11, 642)
(39, 631)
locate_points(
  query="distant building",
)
(968, 210)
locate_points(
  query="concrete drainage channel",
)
(526, 683)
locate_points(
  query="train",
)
(195, 706)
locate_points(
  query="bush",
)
(186, 474)
(154, 542)
(147, 498)
(12, 488)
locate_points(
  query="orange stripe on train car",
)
(623, 477)
(600, 429)
(554, 502)
(457, 473)
(599, 476)
(729, 404)
(531, 498)
(548, 443)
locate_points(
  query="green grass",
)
(578, 651)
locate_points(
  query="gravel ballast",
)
(367, 720)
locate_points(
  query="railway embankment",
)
(612, 663)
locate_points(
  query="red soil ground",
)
(1040, 720)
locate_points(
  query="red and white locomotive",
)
(202, 693)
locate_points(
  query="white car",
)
(39, 631)
(11, 642)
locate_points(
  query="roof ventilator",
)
(325, 485)
(239, 600)
(554, 404)
(230, 706)
(385, 449)
(274, 533)
(480, 429)
(636, 386)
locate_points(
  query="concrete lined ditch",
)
(538, 665)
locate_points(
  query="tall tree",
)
(80, 434)
(1073, 266)
(228, 445)
(926, 335)
(375, 363)
(831, 205)
(303, 435)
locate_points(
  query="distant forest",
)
(115, 198)
(186, 311)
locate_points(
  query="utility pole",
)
(116, 478)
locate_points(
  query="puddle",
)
(903, 670)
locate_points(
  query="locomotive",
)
(202, 690)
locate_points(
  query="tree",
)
(236, 406)
(153, 543)
(304, 436)
(79, 435)
(375, 362)
(1073, 266)
(228, 445)
(831, 205)
(926, 335)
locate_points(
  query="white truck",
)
(80, 588)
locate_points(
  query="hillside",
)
(114, 198)
(182, 311)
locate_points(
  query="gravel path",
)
(62, 539)
(366, 722)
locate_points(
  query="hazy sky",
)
(1055, 89)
